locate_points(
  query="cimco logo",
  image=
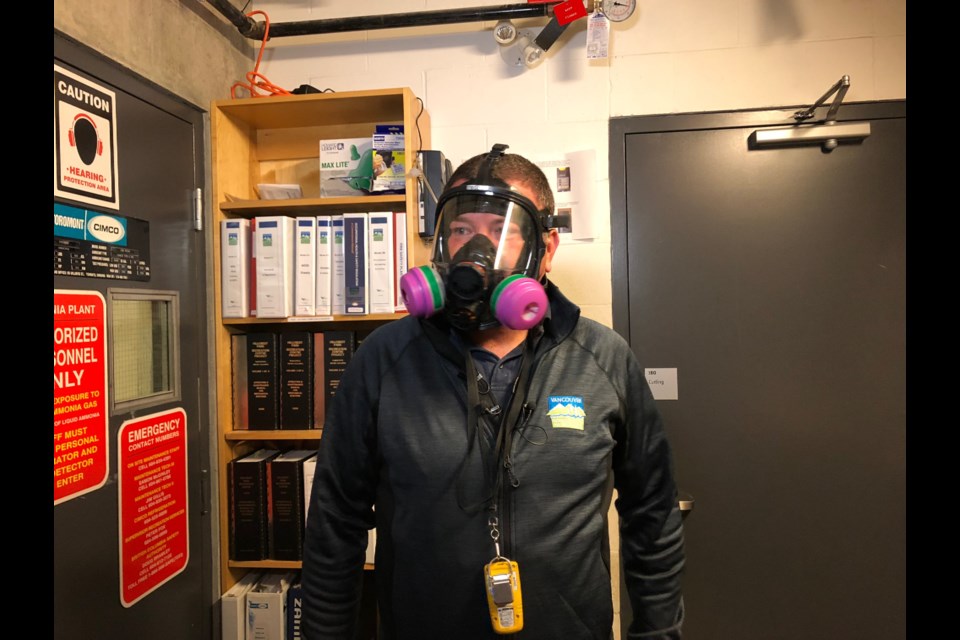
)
(106, 229)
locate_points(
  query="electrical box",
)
(436, 172)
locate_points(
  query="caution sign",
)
(84, 140)
(80, 446)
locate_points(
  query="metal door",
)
(774, 281)
(159, 170)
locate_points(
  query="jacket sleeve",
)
(651, 531)
(340, 512)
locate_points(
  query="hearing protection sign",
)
(84, 140)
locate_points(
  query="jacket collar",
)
(559, 321)
(561, 317)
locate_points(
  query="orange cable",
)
(255, 80)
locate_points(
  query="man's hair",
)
(511, 167)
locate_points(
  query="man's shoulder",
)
(607, 347)
(588, 328)
(393, 334)
(405, 324)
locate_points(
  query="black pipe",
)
(247, 26)
(255, 30)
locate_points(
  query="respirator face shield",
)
(468, 220)
(487, 252)
(485, 236)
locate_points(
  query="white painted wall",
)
(672, 56)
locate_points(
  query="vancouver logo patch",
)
(566, 412)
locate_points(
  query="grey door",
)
(774, 281)
(159, 155)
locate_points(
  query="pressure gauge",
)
(618, 10)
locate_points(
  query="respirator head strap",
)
(485, 172)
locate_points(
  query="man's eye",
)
(460, 230)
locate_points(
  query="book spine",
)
(400, 255)
(305, 278)
(234, 268)
(286, 509)
(274, 266)
(294, 611)
(324, 297)
(336, 224)
(338, 348)
(381, 262)
(252, 274)
(319, 381)
(249, 513)
(355, 263)
(263, 381)
(268, 480)
(233, 507)
(296, 380)
(240, 381)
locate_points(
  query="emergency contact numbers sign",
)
(152, 497)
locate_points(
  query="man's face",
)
(510, 244)
(505, 236)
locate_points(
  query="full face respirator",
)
(486, 257)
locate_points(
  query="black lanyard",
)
(481, 406)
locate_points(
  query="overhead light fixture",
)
(532, 55)
(525, 48)
(516, 53)
(504, 32)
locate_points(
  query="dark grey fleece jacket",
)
(396, 438)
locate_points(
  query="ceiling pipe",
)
(253, 29)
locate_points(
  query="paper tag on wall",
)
(663, 383)
(598, 36)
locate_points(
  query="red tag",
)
(569, 10)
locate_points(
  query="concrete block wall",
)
(670, 57)
(183, 46)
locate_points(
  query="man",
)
(488, 429)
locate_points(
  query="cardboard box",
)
(389, 161)
(346, 167)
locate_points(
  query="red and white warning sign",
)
(85, 140)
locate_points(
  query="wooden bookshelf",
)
(276, 140)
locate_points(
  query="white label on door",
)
(663, 383)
